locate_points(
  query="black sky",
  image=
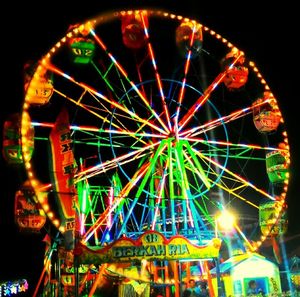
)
(268, 35)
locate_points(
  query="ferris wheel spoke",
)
(242, 234)
(110, 82)
(215, 123)
(118, 202)
(203, 98)
(201, 217)
(197, 166)
(114, 163)
(238, 178)
(186, 70)
(157, 75)
(101, 96)
(92, 136)
(133, 85)
(237, 150)
(159, 200)
(128, 216)
(212, 124)
(123, 197)
(153, 160)
(105, 77)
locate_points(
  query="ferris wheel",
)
(148, 120)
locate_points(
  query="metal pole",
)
(217, 262)
(219, 283)
(76, 276)
(59, 262)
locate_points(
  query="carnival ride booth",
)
(238, 271)
(151, 261)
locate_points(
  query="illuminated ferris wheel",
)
(148, 120)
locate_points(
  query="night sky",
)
(267, 35)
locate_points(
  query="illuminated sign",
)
(150, 246)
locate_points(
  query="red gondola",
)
(132, 27)
(237, 75)
(266, 114)
(29, 216)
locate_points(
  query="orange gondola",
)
(39, 87)
(189, 38)
(29, 216)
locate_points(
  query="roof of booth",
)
(230, 263)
